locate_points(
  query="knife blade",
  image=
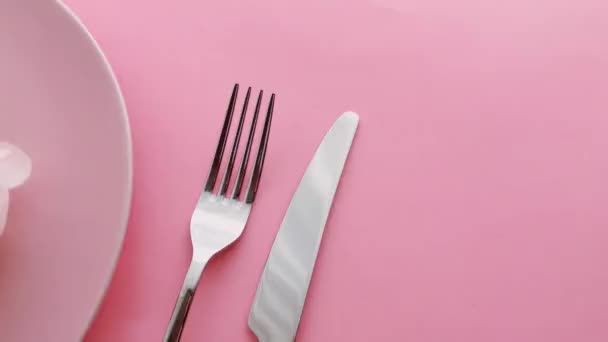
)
(281, 293)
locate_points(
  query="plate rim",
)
(125, 215)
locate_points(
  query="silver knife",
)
(279, 300)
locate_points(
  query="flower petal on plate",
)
(15, 166)
(3, 208)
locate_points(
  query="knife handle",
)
(184, 301)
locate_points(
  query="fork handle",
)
(182, 307)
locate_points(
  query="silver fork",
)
(218, 219)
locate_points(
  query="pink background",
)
(473, 207)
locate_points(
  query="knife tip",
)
(350, 117)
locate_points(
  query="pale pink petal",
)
(3, 208)
(15, 166)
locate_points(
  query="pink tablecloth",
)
(473, 207)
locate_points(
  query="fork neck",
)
(184, 301)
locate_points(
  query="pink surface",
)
(473, 207)
(60, 104)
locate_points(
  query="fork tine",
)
(219, 152)
(235, 146)
(259, 163)
(243, 169)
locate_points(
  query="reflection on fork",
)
(219, 219)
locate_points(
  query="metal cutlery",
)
(279, 300)
(220, 218)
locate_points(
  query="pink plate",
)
(60, 102)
